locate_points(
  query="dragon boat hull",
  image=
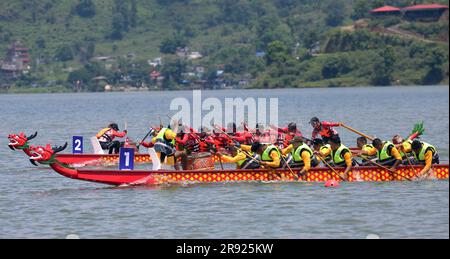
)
(82, 160)
(145, 177)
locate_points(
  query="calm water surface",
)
(38, 203)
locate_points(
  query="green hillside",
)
(303, 43)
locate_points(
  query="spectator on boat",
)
(362, 145)
(321, 150)
(324, 129)
(301, 155)
(425, 154)
(269, 154)
(243, 159)
(106, 138)
(387, 154)
(341, 156)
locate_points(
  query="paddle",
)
(253, 159)
(148, 133)
(332, 169)
(387, 169)
(357, 132)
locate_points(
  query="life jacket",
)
(161, 138)
(105, 135)
(402, 153)
(425, 148)
(193, 144)
(326, 131)
(297, 154)
(338, 155)
(244, 163)
(326, 147)
(367, 147)
(384, 154)
(266, 154)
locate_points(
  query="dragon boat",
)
(21, 142)
(47, 156)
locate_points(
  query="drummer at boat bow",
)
(341, 155)
(106, 138)
(425, 154)
(324, 129)
(300, 155)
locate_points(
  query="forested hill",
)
(241, 43)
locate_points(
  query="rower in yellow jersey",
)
(340, 155)
(321, 151)
(270, 155)
(362, 144)
(301, 155)
(386, 152)
(243, 159)
(425, 154)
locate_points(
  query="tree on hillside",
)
(361, 9)
(384, 67)
(277, 52)
(133, 14)
(170, 45)
(64, 53)
(335, 13)
(435, 60)
(120, 19)
(85, 8)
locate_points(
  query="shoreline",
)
(63, 90)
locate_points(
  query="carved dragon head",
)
(45, 155)
(19, 141)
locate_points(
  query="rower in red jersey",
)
(188, 141)
(289, 133)
(244, 137)
(207, 142)
(324, 129)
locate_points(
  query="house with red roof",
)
(421, 12)
(386, 11)
(425, 12)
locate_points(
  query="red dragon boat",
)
(47, 156)
(21, 142)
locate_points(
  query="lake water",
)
(38, 203)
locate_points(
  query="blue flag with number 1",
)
(126, 159)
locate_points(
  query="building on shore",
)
(431, 12)
(17, 61)
(386, 11)
(421, 12)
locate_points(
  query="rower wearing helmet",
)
(324, 129)
(106, 138)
